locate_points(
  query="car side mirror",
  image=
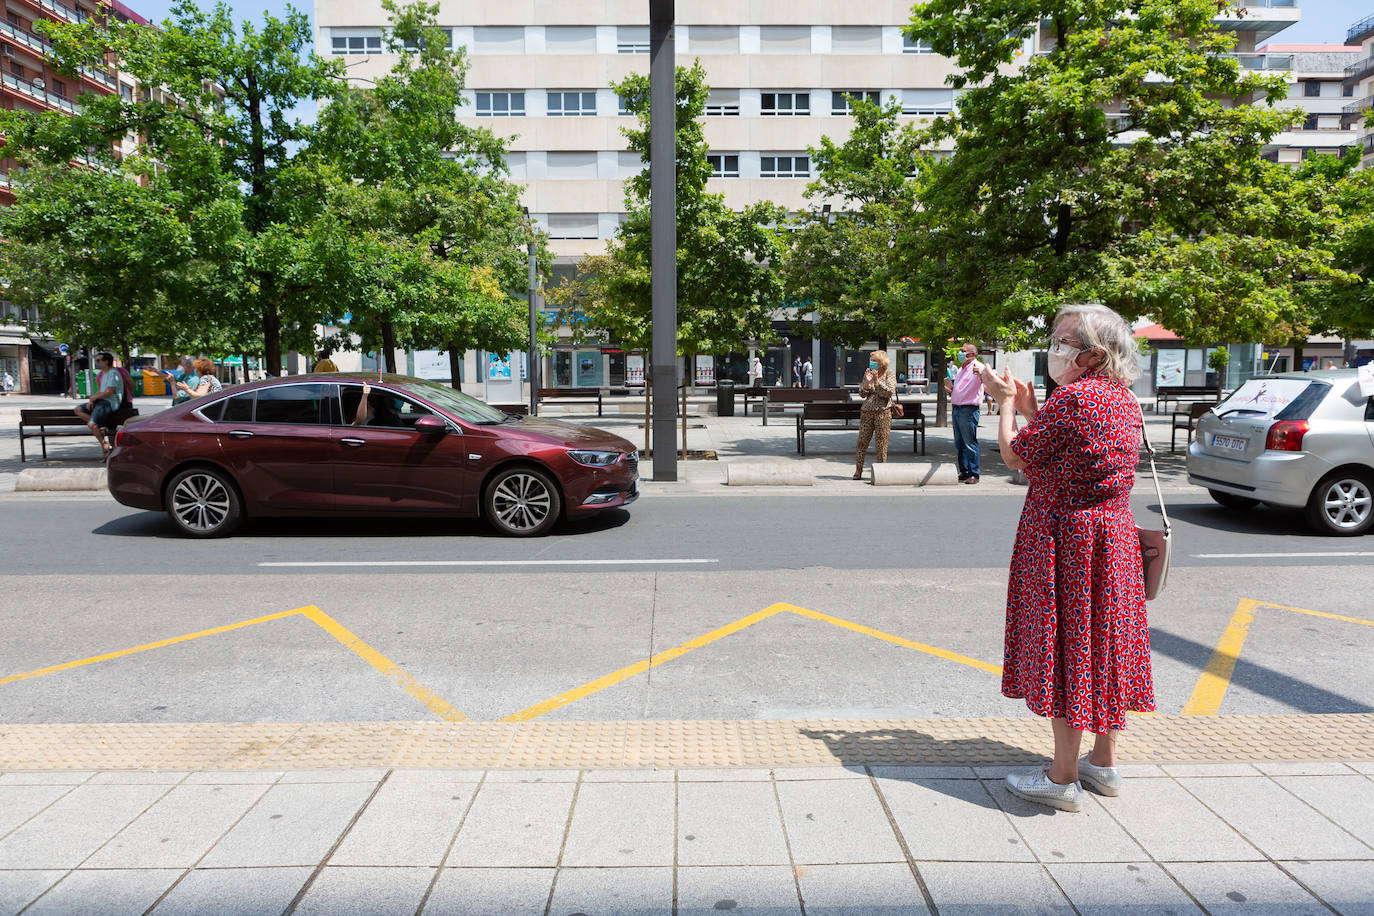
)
(434, 426)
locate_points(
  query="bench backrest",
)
(1198, 409)
(806, 395)
(569, 392)
(49, 416)
(1185, 389)
(829, 411)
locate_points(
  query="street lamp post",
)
(532, 357)
(663, 219)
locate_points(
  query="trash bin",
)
(85, 382)
(152, 383)
(725, 398)
(137, 379)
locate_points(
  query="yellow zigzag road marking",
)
(1211, 685)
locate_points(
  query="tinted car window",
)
(388, 409)
(213, 411)
(297, 404)
(467, 409)
(239, 408)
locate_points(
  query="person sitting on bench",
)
(108, 396)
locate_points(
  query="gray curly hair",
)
(1100, 328)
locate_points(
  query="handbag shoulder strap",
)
(1154, 471)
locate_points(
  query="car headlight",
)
(594, 459)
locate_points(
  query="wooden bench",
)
(60, 421)
(1187, 420)
(755, 391)
(826, 416)
(1178, 393)
(782, 397)
(515, 410)
(582, 395)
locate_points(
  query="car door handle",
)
(353, 443)
(240, 434)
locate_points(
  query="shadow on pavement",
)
(1262, 520)
(157, 525)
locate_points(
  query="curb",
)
(770, 474)
(921, 474)
(64, 479)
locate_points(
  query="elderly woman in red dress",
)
(1077, 641)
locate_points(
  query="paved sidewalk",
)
(1269, 838)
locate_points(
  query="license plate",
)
(1229, 443)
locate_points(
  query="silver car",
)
(1299, 439)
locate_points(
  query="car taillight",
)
(1286, 435)
(119, 436)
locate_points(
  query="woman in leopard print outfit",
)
(879, 387)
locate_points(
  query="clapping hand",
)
(1000, 388)
(1025, 401)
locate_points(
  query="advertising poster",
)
(1169, 368)
(634, 371)
(1367, 380)
(432, 364)
(706, 370)
(1263, 395)
(498, 368)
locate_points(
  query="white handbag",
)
(1155, 545)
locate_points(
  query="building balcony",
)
(1268, 4)
(61, 10)
(40, 46)
(38, 93)
(1254, 61)
(1360, 31)
(1356, 72)
(1356, 110)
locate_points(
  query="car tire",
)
(204, 503)
(1232, 501)
(522, 502)
(1343, 504)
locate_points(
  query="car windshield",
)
(467, 409)
(1273, 397)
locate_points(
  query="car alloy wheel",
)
(203, 503)
(522, 502)
(1342, 504)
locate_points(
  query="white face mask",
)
(1063, 369)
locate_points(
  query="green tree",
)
(727, 285)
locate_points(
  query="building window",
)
(856, 39)
(713, 39)
(784, 167)
(487, 39)
(629, 163)
(59, 88)
(632, 39)
(839, 101)
(1312, 89)
(14, 20)
(1310, 123)
(570, 165)
(915, 46)
(723, 102)
(785, 39)
(572, 104)
(573, 225)
(928, 101)
(356, 44)
(448, 41)
(17, 69)
(624, 109)
(500, 104)
(724, 165)
(570, 39)
(786, 103)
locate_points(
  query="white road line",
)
(1266, 556)
(606, 562)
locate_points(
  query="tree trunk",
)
(455, 368)
(244, 357)
(938, 365)
(271, 333)
(1297, 355)
(389, 345)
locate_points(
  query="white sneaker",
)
(1036, 786)
(1102, 780)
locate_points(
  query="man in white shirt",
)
(109, 394)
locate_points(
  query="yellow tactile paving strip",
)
(988, 741)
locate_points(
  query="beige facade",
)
(1359, 79)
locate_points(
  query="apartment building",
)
(1317, 87)
(28, 82)
(1358, 83)
(781, 72)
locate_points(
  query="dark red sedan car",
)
(357, 444)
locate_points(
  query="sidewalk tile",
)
(100, 892)
(290, 825)
(768, 890)
(371, 775)
(1303, 768)
(724, 774)
(532, 776)
(782, 774)
(952, 820)
(240, 891)
(1153, 812)
(19, 888)
(233, 777)
(1240, 887)
(75, 826)
(836, 822)
(136, 778)
(997, 772)
(1361, 766)
(45, 777)
(1121, 889)
(628, 774)
(1347, 886)
(19, 803)
(860, 890)
(339, 891)
(1347, 800)
(621, 824)
(920, 772)
(729, 823)
(1139, 770)
(514, 825)
(979, 888)
(491, 892)
(444, 774)
(179, 829)
(1089, 835)
(1209, 770)
(407, 823)
(614, 891)
(1274, 820)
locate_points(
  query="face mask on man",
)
(961, 357)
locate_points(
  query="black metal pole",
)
(532, 357)
(663, 214)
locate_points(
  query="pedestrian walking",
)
(796, 372)
(808, 373)
(879, 390)
(755, 372)
(965, 396)
(7, 383)
(1077, 640)
(108, 396)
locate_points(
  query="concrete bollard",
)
(37, 479)
(768, 474)
(920, 474)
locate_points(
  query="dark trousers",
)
(965, 422)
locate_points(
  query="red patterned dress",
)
(1078, 644)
